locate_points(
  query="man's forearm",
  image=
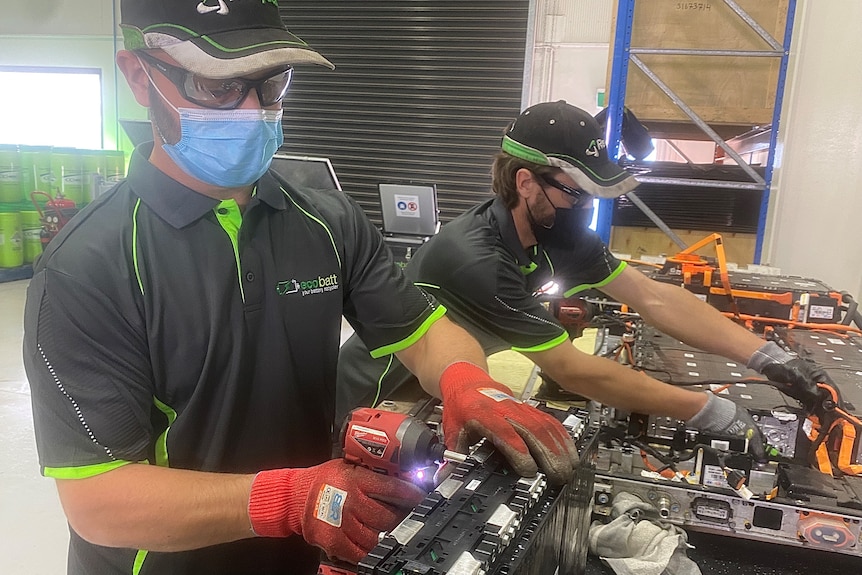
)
(612, 384)
(635, 391)
(683, 316)
(158, 509)
(442, 345)
(680, 314)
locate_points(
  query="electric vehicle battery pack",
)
(779, 418)
(775, 296)
(792, 504)
(841, 356)
(484, 518)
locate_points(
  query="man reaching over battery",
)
(486, 265)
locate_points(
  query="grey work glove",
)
(791, 375)
(720, 415)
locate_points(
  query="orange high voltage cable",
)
(845, 424)
(666, 472)
(642, 263)
(818, 326)
(692, 264)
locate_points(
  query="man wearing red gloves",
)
(182, 333)
(302, 501)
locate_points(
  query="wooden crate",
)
(722, 90)
(638, 242)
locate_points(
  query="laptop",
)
(306, 172)
(409, 212)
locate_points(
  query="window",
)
(42, 106)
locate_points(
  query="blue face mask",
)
(226, 148)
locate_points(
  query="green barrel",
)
(31, 230)
(11, 239)
(10, 174)
(113, 169)
(68, 168)
(91, 162)
(28, 170)
(36, 174)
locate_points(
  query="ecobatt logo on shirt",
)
(314, 286)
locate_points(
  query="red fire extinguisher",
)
(56, 213)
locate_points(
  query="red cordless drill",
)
(394, 444)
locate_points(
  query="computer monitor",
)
(306, 172)
(139, 131)
(409, 209)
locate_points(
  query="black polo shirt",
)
(166, 327)
(477, 268)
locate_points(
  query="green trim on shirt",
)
(318, 221)
(604, 282)
(140, 556)
(82, 472)
(162, 459)
(413, 338)
(562, 338)
(550, 263)
(135, 246)
(230, 219)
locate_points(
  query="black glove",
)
(720, 415)
(791, 375)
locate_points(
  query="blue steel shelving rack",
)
(623, 54)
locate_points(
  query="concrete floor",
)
(33, 531)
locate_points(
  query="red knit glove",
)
(336, 506)
(475, 406)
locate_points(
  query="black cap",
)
(560, 135)
(216, 38)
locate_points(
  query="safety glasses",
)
(226, 94)
(581, 197)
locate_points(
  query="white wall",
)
(57, 17)
(571, 51)
(71, 33)
(817, 192)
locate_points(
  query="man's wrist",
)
(460, 373)
(273, 502)
(463, 375)
(716, 415)
(767, 354)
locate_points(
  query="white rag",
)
(635, 542)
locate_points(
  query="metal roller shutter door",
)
(421, 92)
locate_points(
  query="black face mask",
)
(581, 218)
(570, 222)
